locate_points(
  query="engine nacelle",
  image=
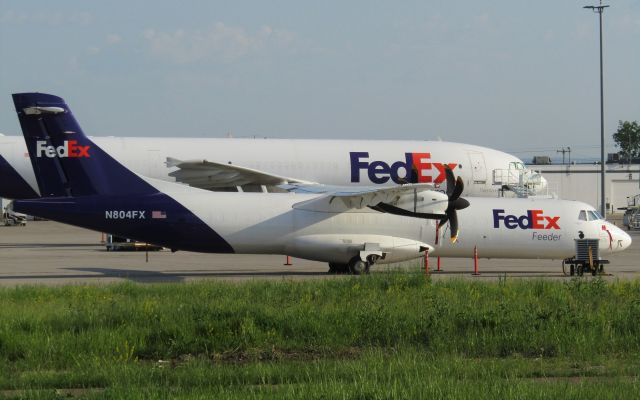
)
(341, 248)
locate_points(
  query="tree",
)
(627, 138)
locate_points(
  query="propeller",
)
(454, 190)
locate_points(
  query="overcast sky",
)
(519, 76)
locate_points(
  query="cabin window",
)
(583, 215)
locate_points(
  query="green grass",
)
(388, 335)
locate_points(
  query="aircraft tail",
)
(66, 162)
(82, 185)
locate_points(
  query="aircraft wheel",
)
(601, 268)
(358, 267)
(572, 270)
(337, 268)
(580, 270)
(333, 268)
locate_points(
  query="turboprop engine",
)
(424, 204)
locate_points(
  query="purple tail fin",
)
(66, 162)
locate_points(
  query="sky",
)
(515, 75)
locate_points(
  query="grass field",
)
(384, 336)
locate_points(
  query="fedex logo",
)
(69, 149)
(416, 168)
(533, 219)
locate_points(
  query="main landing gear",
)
(335, 268)
(355, 267)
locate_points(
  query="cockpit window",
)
(594, 215)
(583, 215)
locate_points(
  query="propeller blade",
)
(388, 208)
(453, 224)
(460, 203)
(457, 190)
(443, 221)
(455, 186)
(451, 180)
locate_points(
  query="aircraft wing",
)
(210, 175)
(395, 199)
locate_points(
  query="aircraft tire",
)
(337, 268)
(358, 267)
(333, 268)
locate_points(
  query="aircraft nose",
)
(621, 239)
(543, 182)
(540, 183)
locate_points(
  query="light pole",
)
(564, 151)
(599, 10)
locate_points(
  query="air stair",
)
(519, 180)
(631, 218)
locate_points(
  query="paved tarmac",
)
(50, 253)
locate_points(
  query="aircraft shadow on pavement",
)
(42, 245)
(135, 275)
(93, 273)
(144, 276)
(507, 273)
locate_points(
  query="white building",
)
(582, 182)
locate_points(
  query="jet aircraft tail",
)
(66, 162)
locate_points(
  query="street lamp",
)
(599, 10)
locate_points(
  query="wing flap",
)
(372, 197)
(210, 175)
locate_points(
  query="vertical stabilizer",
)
(66, 161)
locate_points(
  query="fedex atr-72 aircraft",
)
(254, 164)
(350, 228)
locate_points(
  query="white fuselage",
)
(330, 162)
(278, 226)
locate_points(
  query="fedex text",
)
(415, 168)
(533, 219)
(69, 149)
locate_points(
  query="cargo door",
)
(478, 167)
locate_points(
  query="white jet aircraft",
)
(262, 164)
